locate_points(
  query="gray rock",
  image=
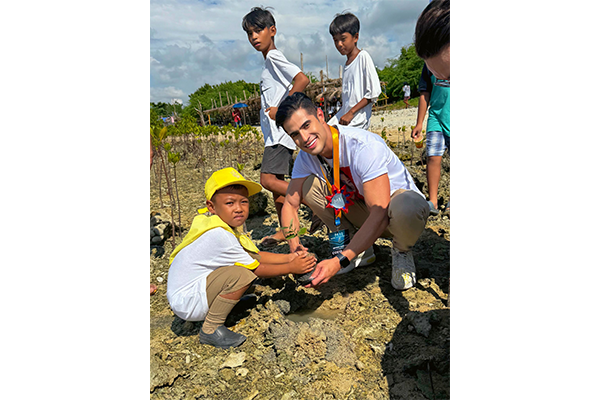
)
(420, 321)
(283, 305)
(258, 204)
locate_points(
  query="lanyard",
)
(336, 161)
(339, 196)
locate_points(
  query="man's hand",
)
(346, 118)
(271, 111)
(416, 133)
(324, 271)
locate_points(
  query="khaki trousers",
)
(227, 280)
(408, 212)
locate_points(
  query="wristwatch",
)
(344, 262)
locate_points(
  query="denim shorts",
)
(436, 143)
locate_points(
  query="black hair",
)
(258, 17)
(432, 32)
(291, 104)
(342, 23)
(235, 186)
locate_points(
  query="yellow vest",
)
(203, 223)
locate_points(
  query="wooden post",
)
(228, 101)
(245, 95)
(220, 100)
(199, 110)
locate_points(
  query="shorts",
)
(436, 143)
(277, 160)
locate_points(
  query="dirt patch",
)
(356, 337)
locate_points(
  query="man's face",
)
(345, 42)
(231, 205)
(261, 39)
(439, 65)
(311, 134)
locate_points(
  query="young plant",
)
(289, 232)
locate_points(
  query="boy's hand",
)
(271, 111)
(302, 263)
(346, 118)
(416, 133)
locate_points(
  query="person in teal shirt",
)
(435, 99)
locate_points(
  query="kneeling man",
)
(385, 200)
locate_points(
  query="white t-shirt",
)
(186, 286)
(406, 89)
(359, 81)
(275, 84)
(370, 156)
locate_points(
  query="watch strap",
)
(344, 262)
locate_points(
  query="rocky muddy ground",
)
(352, 338)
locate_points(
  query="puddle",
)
(303, 316)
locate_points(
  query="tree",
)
(405, 68)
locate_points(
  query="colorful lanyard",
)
(340, 197)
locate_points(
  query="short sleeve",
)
(231, 251)
(285, 70)
(425, 81)
(371, 79)
(371, 161)
(301, 166)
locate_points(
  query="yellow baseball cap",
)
(228, 176)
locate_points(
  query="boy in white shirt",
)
(275, 84)
(216, 262)
(360, 82)
(406, 89)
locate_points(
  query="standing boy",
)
(360, 82)
(275, 82)
(437, 100)
(406, 89)
(216, 262)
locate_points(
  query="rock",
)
(160, 279)
(420, 321)
(227, 374)
(241, 372)
(283, 305)
(234, 360)
(156, 240)
(161, 374)
(258, 204)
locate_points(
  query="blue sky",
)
(197, 42)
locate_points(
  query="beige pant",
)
(227, 280)
(408, 212)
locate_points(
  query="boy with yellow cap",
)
(216, 262)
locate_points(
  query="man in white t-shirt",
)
(360, 82)
(278, 79)
(386, 201)
(406, 89)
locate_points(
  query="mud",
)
(353, 338)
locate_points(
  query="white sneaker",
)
(367, 257)
(404, 274)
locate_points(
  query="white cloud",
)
(197, 42)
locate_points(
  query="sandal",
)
(153, 289)
(270, 241)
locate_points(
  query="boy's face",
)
(231, 205)
(345, 42)
(439, 65)
(262, 39)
